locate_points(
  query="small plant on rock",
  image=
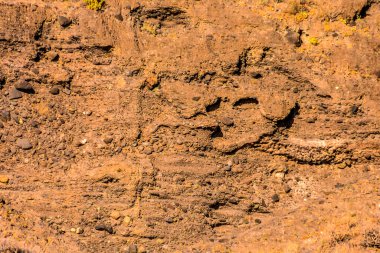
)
(95, 5)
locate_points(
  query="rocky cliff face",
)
(198, 126)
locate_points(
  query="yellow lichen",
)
(314, 41)
(301, 16)
(343, 20)
(327, 26)
(150, 28)
(95, 5)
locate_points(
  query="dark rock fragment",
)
(275, 198)
(54, 90)
(103, 227)
(63, 21)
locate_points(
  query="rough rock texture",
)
(197, 126)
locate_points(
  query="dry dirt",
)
(190, 126)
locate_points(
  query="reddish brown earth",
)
(190, 126)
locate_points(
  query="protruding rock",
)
(108, 140)
(115, 215)
(119, 17)
(4, 179)
(227, 121)
(103, 227)
(52, 56)
(277, 108)
(294, 38)
(14, 94)
(79, 230)
(24, 86)
(5, 115)
(275, 198)
(24, 144)
(63, 21)
(287, 188)
(132, 249)
(54, 90)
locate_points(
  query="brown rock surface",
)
(190, 126)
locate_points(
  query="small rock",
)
(293, 38)
(287, 188)
(280, 175)
(37, 131)
(72, 230)
(115, 215)
(87, 113)
(275, 198)
(54, 90)
(152, 82)
(61, 146)
(4, 179)
(342, 165)
(256, 75)
(79, 231)
(354, 109)
(148, 151)
(108, 140)
(24, 144)
(63, 21)
(103, 227)
(227, 121)
(5, 116)
(14, 94)
(227, 167)
(311, 120)
(66, 91)
(80, 142)
(52, 56)
(133, 249)
(24, 86)
(257, 221)
(119, 17)
(71, 110)
(169, 220)
(127, 220)
(34, 124)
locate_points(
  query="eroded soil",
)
(190, 126)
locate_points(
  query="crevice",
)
(39, 32)
(242, 62)
(362, 13)
(216, 205)
(163, 13)
(99, 48)
(217, 133)
(246, 100)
